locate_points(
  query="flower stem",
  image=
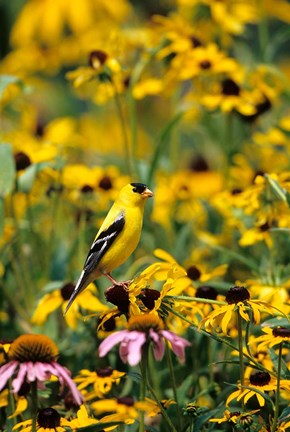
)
(173, 383)
(162, 410)
(241, 353)
(34, 404)
(143, 368)
(277, 398)
(127, 155)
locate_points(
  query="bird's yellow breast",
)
(125, 243)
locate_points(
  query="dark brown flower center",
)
(199, 164)
(118, 296)
(193, 273)
(126, 400)
(264, 227)
(205, 64)
(48, 418)
(87, 189)
(104, 372)
(237, 294)
(67, 290)
(235, 413)
(260, 379)
(236, 191)
(230, 88)
(70, 403)
(22, 161)
(206, 292)
(148, 297)
(281, 331)
(105, 183)
(195, 42)
(97, 58)
(110, 324)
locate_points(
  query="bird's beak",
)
(147, 193)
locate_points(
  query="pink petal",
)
(65, 375)
(159, 345)
(18, 381)
(41, 371)
(31, 375)
(135, 343)
(178, 343)
(111, 341)
(6, 372)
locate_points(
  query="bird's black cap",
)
(139, 187)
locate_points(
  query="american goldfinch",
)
(117, 238)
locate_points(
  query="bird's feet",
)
(123, 284)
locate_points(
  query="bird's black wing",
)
(98, 249)
(103, 242)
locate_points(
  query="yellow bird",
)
(117, 238)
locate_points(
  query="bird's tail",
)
(82, 283)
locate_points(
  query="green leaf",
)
(7, 170)
(278, 191)
(135, 376)
(274, 322)
(2, 216)
(235, 255)
(52, 286)
(26, 180)
(285, 373)
(162, 144)
(285, 414)
(99, 427)
(5, 80)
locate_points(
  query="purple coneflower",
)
(143, 329)
(33, 358)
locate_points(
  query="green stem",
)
(173, 383)
(134, 137)
(197, 300)
(277, 398)
(162, 410)
(217, 338)
(121, 115)
(12, 401)
(143, 368)
(263, 33)
(210, 361)
(34, 405)
(162, 145)
(241, 353)
(19, 263)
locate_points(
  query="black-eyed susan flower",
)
(258, 384)
(238, 300)
(59, 298)
(48, 420)
(143, 329)
(33, 358)
(272, 337)
(82, 419)
(101, 381)
(236, 417)
(123, 409)
(102, 79)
